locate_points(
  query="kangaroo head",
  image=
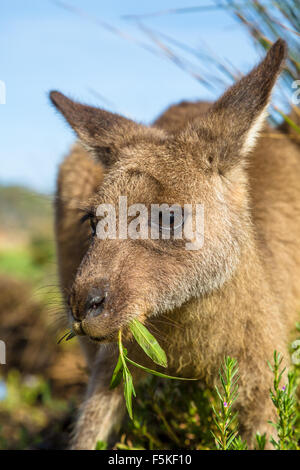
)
(201, 166)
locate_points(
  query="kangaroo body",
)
(246, 313)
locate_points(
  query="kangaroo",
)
(237, 295)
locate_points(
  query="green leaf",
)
(154, 372)
(121, 368)
(289, 120)
(128, 390)
(101, 445)
(117, 374)
(148, 343)
(70, 336)
(63, 337)
(261, 440)
(230, 440)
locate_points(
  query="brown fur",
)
(236, 296)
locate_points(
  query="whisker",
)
(169, 323)
(156, 332)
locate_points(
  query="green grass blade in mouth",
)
(155, 372)
(151, 347)
(148, 343)
(117, 374)
(128, 390)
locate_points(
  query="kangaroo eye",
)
(93, 221)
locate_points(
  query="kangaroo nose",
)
(95, 302)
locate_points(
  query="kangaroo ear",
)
(98, 130)
(239, 114)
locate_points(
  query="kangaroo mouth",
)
(78, 328)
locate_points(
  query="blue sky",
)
(44, 47)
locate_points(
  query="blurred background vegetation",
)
(43, 382)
